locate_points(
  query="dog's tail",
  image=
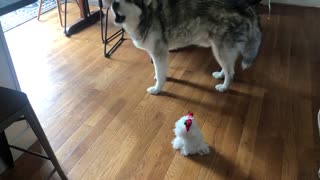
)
(252, 47)
(250, 53)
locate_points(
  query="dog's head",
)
(127, 10)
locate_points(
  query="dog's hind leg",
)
(226, 58)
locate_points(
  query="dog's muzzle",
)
(119, 18)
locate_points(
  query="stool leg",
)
(34, 123)
(5, 152)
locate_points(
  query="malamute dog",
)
(230, 27)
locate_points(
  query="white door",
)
(20, 133)
(8, 77)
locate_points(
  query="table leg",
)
(87, 19)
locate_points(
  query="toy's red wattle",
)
(188, 124)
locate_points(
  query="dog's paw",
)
(221, 88)
(153, 90)
(218, 74)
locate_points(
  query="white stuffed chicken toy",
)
(188, 138)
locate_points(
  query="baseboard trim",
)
(306, 3)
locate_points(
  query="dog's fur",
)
(229, 27)
(189, 142)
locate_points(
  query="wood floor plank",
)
(138, 126)
(244, 157)
(106, 139)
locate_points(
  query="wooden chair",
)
(58, 2)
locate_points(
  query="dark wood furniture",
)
(14, 107)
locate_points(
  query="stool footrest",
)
(29, 152)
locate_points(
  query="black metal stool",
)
(104, 33)
(14, 107)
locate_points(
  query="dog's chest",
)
(139, 44)
(148, 44)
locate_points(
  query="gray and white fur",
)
(230, 29)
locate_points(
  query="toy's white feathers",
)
(189, 141)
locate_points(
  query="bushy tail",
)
(252, 48)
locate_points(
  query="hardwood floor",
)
(102, 124)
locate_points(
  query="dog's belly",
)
(139, 44)
(196, 38)
(176, 43)
(178, 39)
(180, 43)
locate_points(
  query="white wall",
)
(8, 76)
(19, 134)
(313, 3)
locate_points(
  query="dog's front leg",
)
(160, 67)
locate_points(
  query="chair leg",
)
(5, 152)
(39, 9)
(101, 19)
(58, 2)
(34, 123)
(65, 18)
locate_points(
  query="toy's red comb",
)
(190, 114)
